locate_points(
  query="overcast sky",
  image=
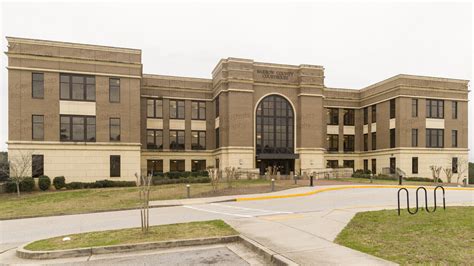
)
(358, 44)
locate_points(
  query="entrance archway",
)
(275, 134)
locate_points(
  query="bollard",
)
(273, 184)
(188, 191)
(311, 181)
(295, 177)
(400, 180)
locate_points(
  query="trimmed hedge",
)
(421, 179)
(100, 184)
(359, 173)
(44, 182)
(59, 182)
(163, 180)
(27, 185)
(176, 175)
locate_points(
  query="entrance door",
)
(285, 166)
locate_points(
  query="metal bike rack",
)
(426, 200)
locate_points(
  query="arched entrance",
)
(275, 134)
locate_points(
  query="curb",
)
(341, 188)
(268, 255)
(21, 252)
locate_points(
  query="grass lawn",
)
(442, 237)
(384, 182)
(92, 200)
(134, 235)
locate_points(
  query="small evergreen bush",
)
(44, 182)
(59, 182)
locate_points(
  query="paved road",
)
(300, 228)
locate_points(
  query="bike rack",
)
(426, 199)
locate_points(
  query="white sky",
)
(357, 43)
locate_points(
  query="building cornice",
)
(73, 72)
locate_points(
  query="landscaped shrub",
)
(44, 182)
(176, 175)
(10, 187)
(421, 179)
(190, 180)
(385, 177)
(59, 182)
(100, 184)
(359, 173)
(27, 185)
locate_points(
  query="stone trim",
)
(73, 72)
(72, 60)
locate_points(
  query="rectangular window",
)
(393, 108)
(348, 117)
(177, 139)
(374, 140)
(348, 143)
(77, 128)
(454, 138)
(198, 140)
(177, 166)
(333, 142)
(392, 138)
(434, 108)
(454, 110)
(154, 108)
(37, 125)
(37, 85)
(37, 165)
(414, 165)
(114, 128)
(154, 166)
(414, 107)
(114, 165)
(217, 138)
(154, 139)
(348, 164)
(217, 106)
(198, 165)
(434, 138)
(366, 142)
(374, 113)
(454, 165)
(114, 90)
(414, 137)
(332, 164)
(374, 166)
(77, 87)
(393, 165)
(333, 116)
(198, 110)
(366, 165)
(176, 109)
(366, 115)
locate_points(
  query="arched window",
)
(274, 126)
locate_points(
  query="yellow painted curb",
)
(338, 188)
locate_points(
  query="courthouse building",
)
(88, 112)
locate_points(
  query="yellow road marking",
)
(338, 188)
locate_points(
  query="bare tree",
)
(143, 183)
(214, 176)
(435, 171)
(18, 168)
(462, 167)
(230, 173)
(449, 173)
